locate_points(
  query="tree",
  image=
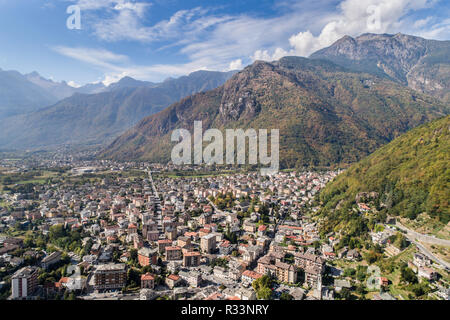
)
(264, 293)
(345, 294)
(407, 275)
(349, 272)
(133, 255)
(286, 296)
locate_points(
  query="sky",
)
(156, 39)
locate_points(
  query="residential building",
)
(173, 253)
(147, 256)
(173, 280)
(24, 282)
(249, 276)
(110, 276)
(147, 281)
(191, 259)
(208, 243)
(51, 259)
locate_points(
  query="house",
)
(353, 254)
(262, 230)
(147, 281)
(193, 278)
(427, 273)
(173, 280)
(51, 259)
(245, 294)
(421, 260)
(384, 282)
(249, 276)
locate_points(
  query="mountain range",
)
(339, 105)
(21, 94)
(421, 64)
(97, 118)
(326, 113)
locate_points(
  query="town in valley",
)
(104, 230)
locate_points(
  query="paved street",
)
(423, 237)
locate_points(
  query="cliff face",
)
(421, 64)
(326, 114)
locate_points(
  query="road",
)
(429, 254)
(413, 236)
(423, 237)
(158, 203)
(155, 192)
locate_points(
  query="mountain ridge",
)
(421, 64)
(327, 115)
(96, 118)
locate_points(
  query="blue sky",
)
(153, 40)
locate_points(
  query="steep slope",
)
(326, 114)
(18, 95)
(421, 64)
(97, 118)
(405, 178)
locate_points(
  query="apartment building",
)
(173, 253)
(110, 276)
(191, 259)
(208, 243)
(147, 256)
(24, 282)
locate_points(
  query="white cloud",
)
(355, 17)
(236, 65)
(209, 41)
(98, 57)
(73, 84)
(116, 66)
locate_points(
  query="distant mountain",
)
(128, 82)
(327, 115)
(98, 118)
(18, 95)
(91, 88)
(421, 64)
(59, 90)
(406, 177)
